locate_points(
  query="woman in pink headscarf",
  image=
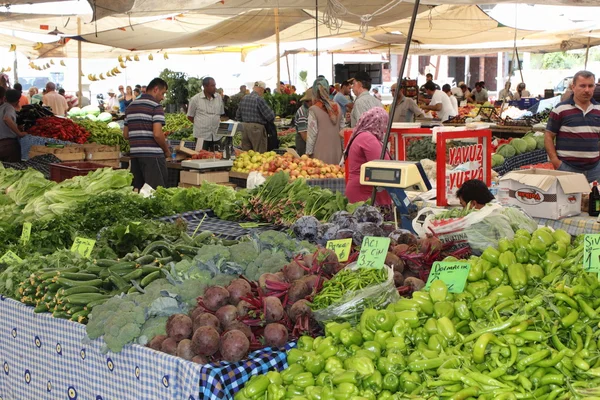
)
(365, 145)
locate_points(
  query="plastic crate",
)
(62, 171)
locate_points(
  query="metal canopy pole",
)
(278, 55)
(317, 35)
(399, 82)
(79, 82)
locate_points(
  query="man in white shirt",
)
(55, 101)
(440, 102)
(205, 111)
(112, 105)
(453, 101)
(364, 101)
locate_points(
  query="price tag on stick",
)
(341, 247)
(10, 257)
(591, 253)
(26, 233)
(83, 246)
(453, 273)
(373, 252)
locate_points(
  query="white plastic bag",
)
(477, 230)
(255, 179)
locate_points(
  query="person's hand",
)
(168, 154)
(556, 163)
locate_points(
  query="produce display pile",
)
(102, 133)
(525, 327)
(59, 128)
(515, 146)
(175, 122)
(269, 163)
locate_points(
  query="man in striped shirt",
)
(144, 119)
(575, 124)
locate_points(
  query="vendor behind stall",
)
(475, 192)
(365, 145)
(10, 150)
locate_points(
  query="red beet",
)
(262, 280)
(307, 259)
(184, 349)
(276, 335)
(293, 271)
(202, 360)
(398, 279)
(242, 308)
(240, 326)
(273, 309)
(415, 283)
(238, 288)
(430, 245)
(234, 346)
(207, 319)
(169, 346)
(400, 249)
(298, 309)
(311, 281)
(179, 327)
(226, 315)
(205, 341)
(156, 342)
(195, 312)
(327, 260)
(298, 290)
(215, 297)
(394, 262)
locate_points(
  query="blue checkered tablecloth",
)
(333, 184)
(516, 162)
(45, 358)
(29, 140)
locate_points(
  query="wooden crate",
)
(196, 178)
(188, 185)
(93, 153)
(116, 164)
(61, 156)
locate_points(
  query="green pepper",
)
(446, 328)
(391, 382)
(400, 328)
(475, 272)
(333, 329)
(505, 245)
(534, 273)
(409, 381)
(478, 289)
(523, 233)
(305, 343)
(317, 341)
(385, 320)
(521, 242)
(507, 258)
(437, 343)
(256, 386)
(404, 304)
(386, 365)
(381, 338)
(333, 364)
(491, 255)
(327, 393)
(351, 336)
(314, 393)
(410, 317)
(438, 291)
(483, 306)
(367, 324)
(424, 301)
(304, 380)
(461, 310)
(293, 391)
(543, 236)
(395, 344)
(495, 276)
(363, 365)
(536, 246)
(275, 392)
(323, 379)
(373, 382)
(430, 326)
(562, 236)
(344, 352)
(345, 391)
(385, 395)
(522, 256)
(295, 356)
(288, 374)
(559, 248)
(503, 293)
(443, 309)
(517, 276)
(373, 347)
(344, 377)
(274, 377)
(314, 363)
(327, 348)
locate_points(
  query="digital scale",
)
(225, 133)
(396, 177)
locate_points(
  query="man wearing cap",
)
(301, 121)
(112, 104)
(55, 101)
(10, 149)
(406, 108)
(255, 114)
(364, 101)
(343, 100)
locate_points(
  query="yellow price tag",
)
(10, 257)
(341, 247)
(83, 246)
(26, 233)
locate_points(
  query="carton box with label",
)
(545, 193)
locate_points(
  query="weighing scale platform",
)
(207, 164)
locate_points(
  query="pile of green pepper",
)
(526, 327)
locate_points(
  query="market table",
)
(173, 169)
(333, 184)
(505, 132)
(49, 358)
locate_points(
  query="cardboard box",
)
(196, 178)
(545, 193)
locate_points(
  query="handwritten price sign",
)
(373, 252)
(453, 274)
(591, 253)
(26, 233)
(83, 246)
(10, 257)
(341, 247)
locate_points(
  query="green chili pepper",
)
(494, 276)
(586, 308)
(491, 255)
(424, 365)
(404, 304)
(385, 320)
(351, 336)
(314, 363)
(517, 276)
(532, 359)
(570, 319)
(438, 291)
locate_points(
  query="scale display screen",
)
(226, 129)
(382, 175)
